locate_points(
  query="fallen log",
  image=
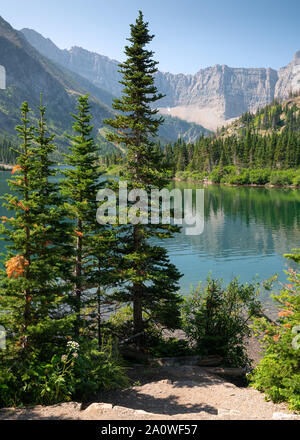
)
(228, 372)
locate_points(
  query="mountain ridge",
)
(212, 97)
(30, 73)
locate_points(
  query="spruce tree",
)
(32, 290)
(90, 241)
(150, 281)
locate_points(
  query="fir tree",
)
(150, 280)
(80, 187)
(32, 287)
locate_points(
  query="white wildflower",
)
(72, 345)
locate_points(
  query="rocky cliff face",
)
(212, 97)
(289, 78)
(216, 94)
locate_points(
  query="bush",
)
(296, 180)
(170, 347)
(281, 178)
(29, 381)
(155, 343)
(216, 176)
(98, 370)
(78, 373)
(239, 179)
(216, 319)
(259, 177)
(278, 373)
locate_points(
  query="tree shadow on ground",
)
(169, 405)
(36, 413)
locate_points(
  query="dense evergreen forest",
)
(7, 156)
(258, 148)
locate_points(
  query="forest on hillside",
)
(259, 148)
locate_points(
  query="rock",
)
(288, 78)
(123, 410)
(141, 412)
(224, 412)
(229, 372)
(284, 416)
(210, 361)
(98, 408)
(179, 360)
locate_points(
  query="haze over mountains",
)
(212, 97)
(29, 73)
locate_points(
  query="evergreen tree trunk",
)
(137, 290)
(78, 279)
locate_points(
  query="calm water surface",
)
(247, 230)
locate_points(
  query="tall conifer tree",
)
(32, 290)
(90, 241)
(150, 280)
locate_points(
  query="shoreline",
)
(6, 167)
(253, 185)
(204, 182)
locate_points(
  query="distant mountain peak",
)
(297, 56)
(212, 97)
(28, 74)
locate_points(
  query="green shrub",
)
(216, 176)
(78, 373)
(216, 319)
(281, 178)
(238, 179)
(259, 177)
(170, 347)
(98, 370)
(278, 373)
(30, 381)
(296, 180)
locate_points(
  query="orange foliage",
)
(15, 267)
(79, 234)
(15, 169)
(284, 313)
(25, 208)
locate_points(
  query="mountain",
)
(289, 78)
(215, 95)
(282, 115)
(28, 74)
(103, 73)
(212, 97)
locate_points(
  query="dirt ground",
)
(165, 393)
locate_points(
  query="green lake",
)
(246, 232)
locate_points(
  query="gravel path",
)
(167, 393)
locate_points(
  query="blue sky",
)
(190, 34)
